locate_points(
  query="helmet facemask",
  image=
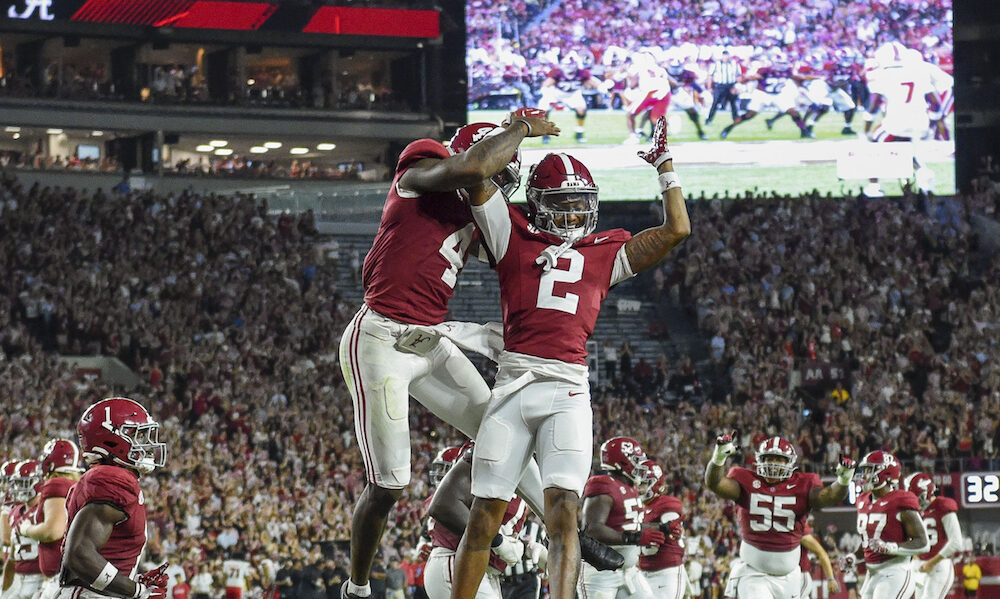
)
(509, 179)
(868, 476)
(146, 453)
(569, 213)
(776, 466)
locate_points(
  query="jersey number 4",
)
(772, 513)
(573, 272)
(453, 249)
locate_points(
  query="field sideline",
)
(751, 158)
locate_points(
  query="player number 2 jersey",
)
(549, 314)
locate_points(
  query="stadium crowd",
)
(232, 320)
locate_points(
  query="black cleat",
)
(599, 555)
(701, 135)
(725, 132)
(769, 123)
(847, 131)
(808, 133)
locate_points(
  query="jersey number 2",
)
(571, 274)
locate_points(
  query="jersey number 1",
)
(571, 274)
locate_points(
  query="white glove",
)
(880, 546)
(538, 554)
(510, 550)
(725, 446)
(845, 470)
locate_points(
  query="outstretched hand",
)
(535, 119)
(659, 153)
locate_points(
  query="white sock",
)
(360, 591)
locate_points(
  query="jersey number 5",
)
(571, 274)
(773, 513)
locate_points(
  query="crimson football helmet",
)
(562, 197)
(775, 458)
(653, 481)
(877, 469)
(61, 456)
(121, 430)
(509, 179)
(443, 461)
(921, 484)
(7, 472)
(27, 475)
(625, 455)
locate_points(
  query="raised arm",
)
(483, 160)
(824, 497)
(652, 245)
(715, 480)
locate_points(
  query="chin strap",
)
(550, 255)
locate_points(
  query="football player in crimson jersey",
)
(554, 272)
(613, 514)
(27, 574)
(396, 346)
(60, 463)
(663, 564)
(7, 472)
(106, 510)
(935, 569)
(890, 527)
(773, 502)
(449, 513)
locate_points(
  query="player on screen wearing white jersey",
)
(554, 272)
(773, 501)
(890, 527)
(935, 570)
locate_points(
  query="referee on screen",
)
(724, 74)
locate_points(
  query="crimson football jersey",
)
(626, 508)
(551, 314)
(773, 80)
(446, 539)
(24, 549)
(934, 523)
(671, 552)
(775, 514)
(50, 554)
(118, 487)
(879, 519)
(421, 245)
(805, 564)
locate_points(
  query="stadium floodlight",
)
(257, 149)
(272, 145)
(298, 151)
(325, 147)
(204, 148)
(223, 151)
(12, 129)
(54, 131)
(218, 143)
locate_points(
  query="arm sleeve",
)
(493, 220)
(621, 270)
(954, 532)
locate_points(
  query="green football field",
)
(747, 160)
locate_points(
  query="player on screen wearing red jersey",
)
(7, 472)
(935, 570)
(613, 514)
(449, 512)
(60, 463)
(396, 346)
(890, 527)
(27, 573)
(773, 502)
(106, 510)
(663, 564)
(554, 271)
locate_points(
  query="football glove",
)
(519, 114)
(659, 153)
(845, 470)
(673, 530)
(725, 446)
(510, 549)
(538, 554)
(880, 546)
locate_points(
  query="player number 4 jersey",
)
(549, 313)
(879, 519)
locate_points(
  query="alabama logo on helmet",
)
(61, 456)
(877, 469)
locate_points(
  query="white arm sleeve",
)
(622, 269)
(954, 532)
(493, 219)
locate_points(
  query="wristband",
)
(526, 124)
(105, 577)
(631, 538)
(845, 478)
(668, 180)
(497, 540)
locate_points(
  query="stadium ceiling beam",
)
(34, 112)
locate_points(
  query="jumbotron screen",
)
(785, 96)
